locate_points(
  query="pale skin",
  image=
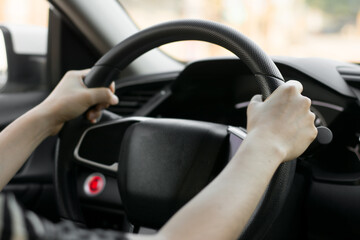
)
(279, 130)
(69, 100)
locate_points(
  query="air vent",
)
(351, 75)
(133, 98)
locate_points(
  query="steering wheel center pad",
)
(177, 159)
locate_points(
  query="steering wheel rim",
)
(103, 72)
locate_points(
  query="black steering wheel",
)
(196, 152)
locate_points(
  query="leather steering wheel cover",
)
(125, 52)
(261, 65)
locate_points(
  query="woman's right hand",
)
(283, 120)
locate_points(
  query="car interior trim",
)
(327, 105)
(106, 30)
(238, 132)
(113, 167)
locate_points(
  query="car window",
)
(32, 12)
(301, 28)
(23, 53)
(3, 61)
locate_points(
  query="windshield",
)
(299, 28)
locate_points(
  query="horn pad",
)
(164, 163)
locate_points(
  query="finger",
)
(83, 73)
(101, 106)
(295, 83)
(94, 112)
(103, 95)
(112, 87)
(256, 98)
(93, 115)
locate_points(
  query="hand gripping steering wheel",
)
(153, 204)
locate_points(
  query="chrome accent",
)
(327, 105)
(313, 102)
(237, 135)
(114, 166)
(242, 105)
(238, 132)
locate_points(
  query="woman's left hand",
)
(71, 98)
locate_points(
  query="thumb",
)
(103, 95)
(255, 101)
(257, 98)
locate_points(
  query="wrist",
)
(266, 144)
(47, 116)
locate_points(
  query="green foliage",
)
(344, 9)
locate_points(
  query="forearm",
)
(19, 139)
(69, 99)
(223, 208)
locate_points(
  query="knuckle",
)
(314, 132)
(312, 116)
(290, 89)
(306, 101)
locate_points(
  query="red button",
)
(94, 184)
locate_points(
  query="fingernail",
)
(114, 99)
(91, 116)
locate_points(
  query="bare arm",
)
(70, 99)
(279, 129)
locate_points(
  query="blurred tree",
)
(340, 9)
(339, 13)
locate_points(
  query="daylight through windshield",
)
(300, 28)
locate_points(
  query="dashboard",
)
(219, 90)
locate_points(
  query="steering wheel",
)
(156, 178)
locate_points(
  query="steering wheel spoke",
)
(99, 145)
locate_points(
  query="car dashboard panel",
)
(219, 90)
